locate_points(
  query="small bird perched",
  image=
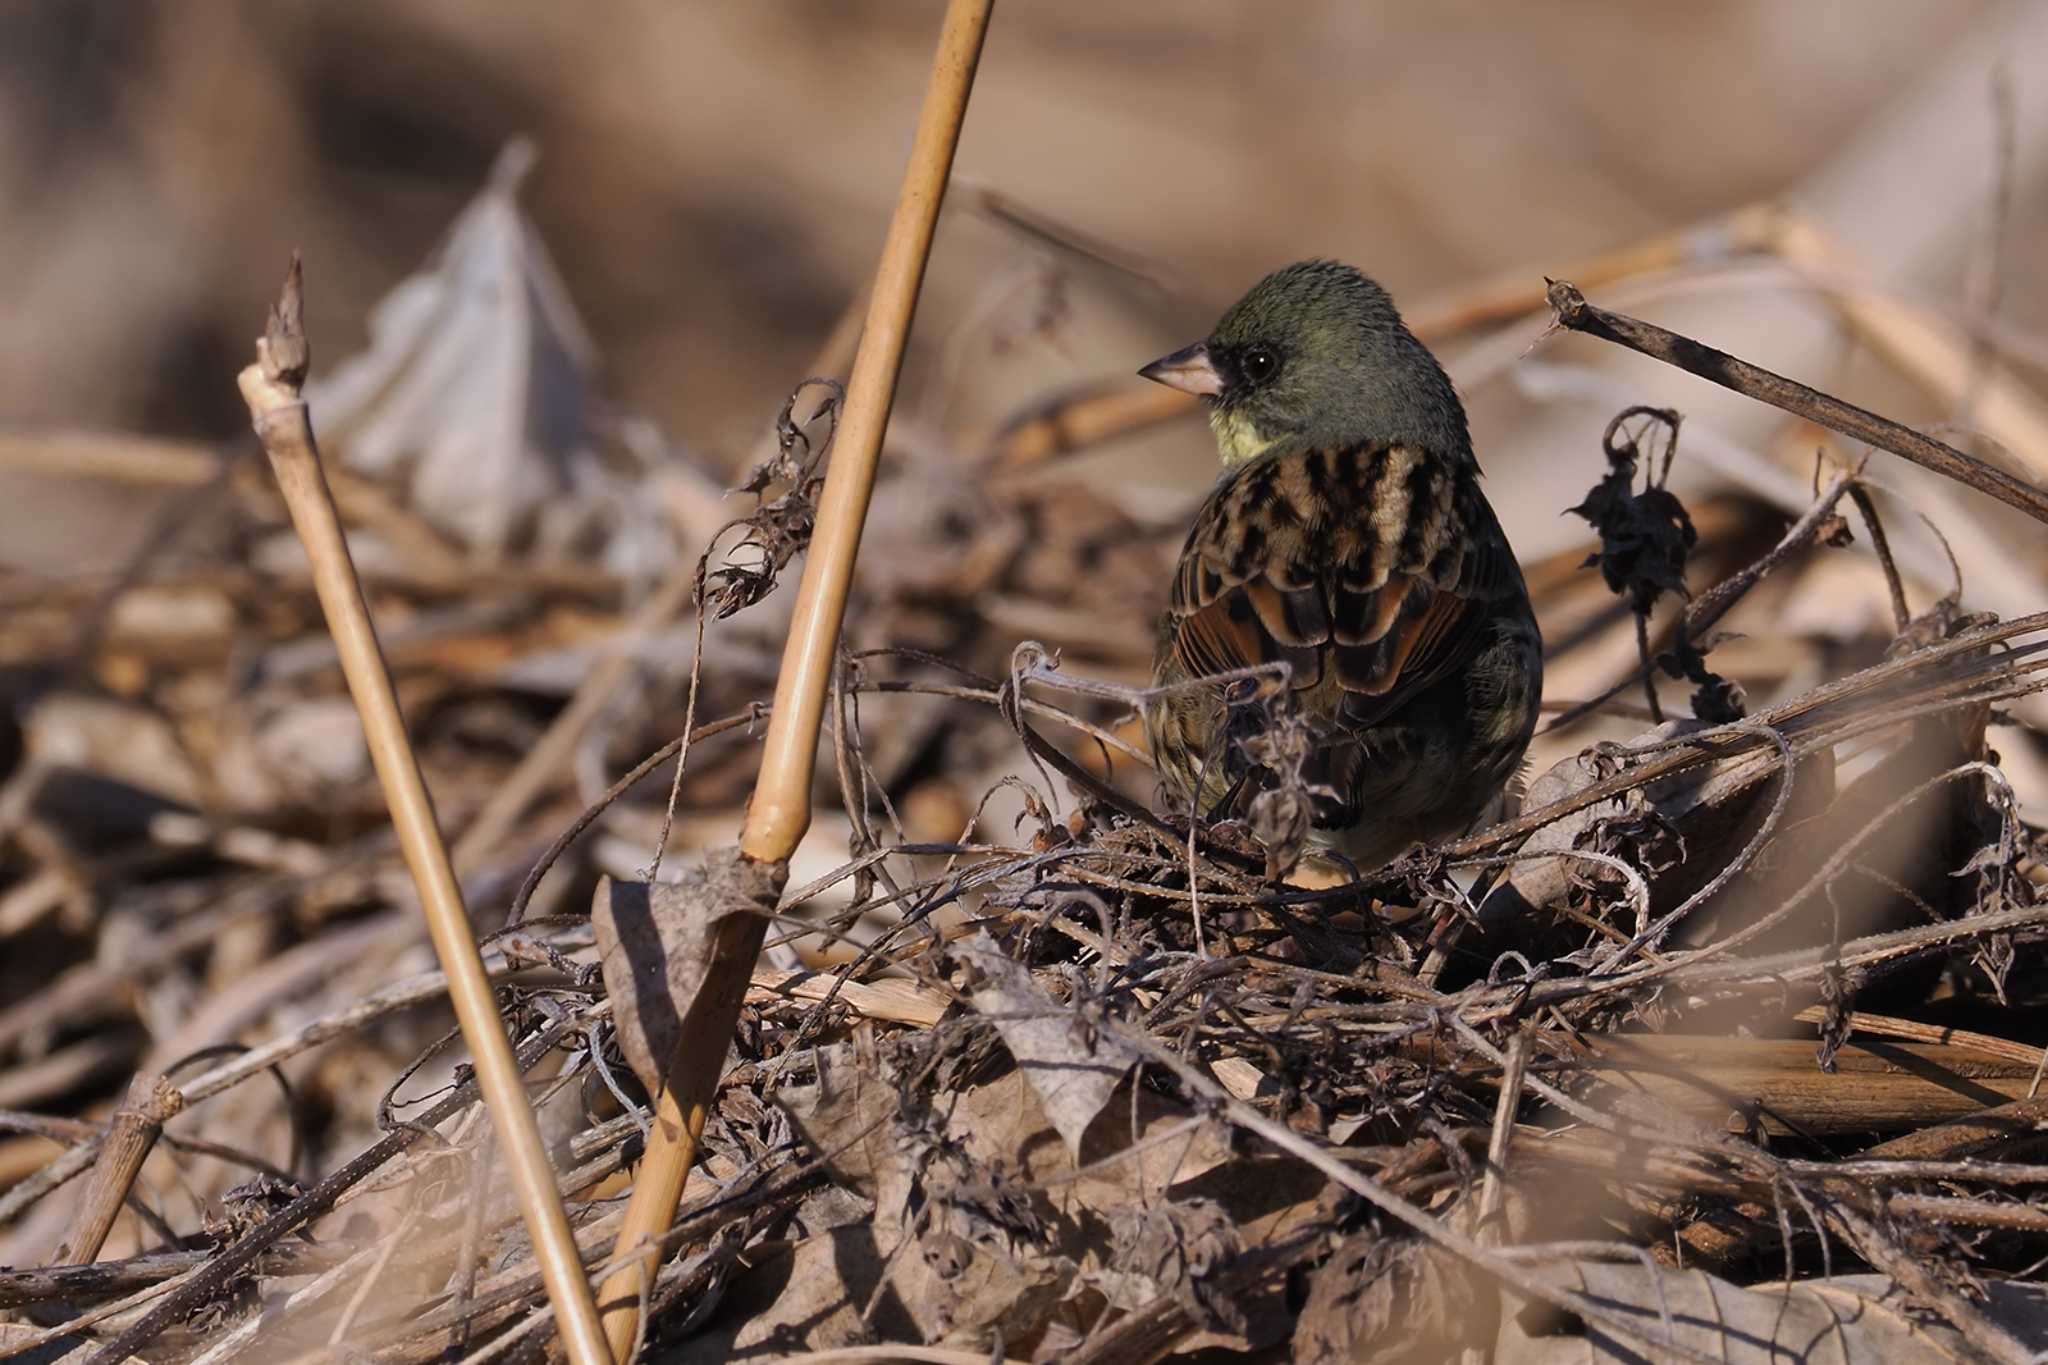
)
(1347, 539)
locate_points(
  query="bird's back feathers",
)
(1356, 566)
(1378, 574)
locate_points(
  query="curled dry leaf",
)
(1644, 537)
(473, 393)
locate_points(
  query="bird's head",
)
(1316, 354)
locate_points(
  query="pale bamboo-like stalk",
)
(271, 387)
(781, 807)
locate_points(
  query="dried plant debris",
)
(983, 1222)
(1391, 1298)
(1725, 1046)
(657, 943)
(779, 528)
(1851, 1319)
(473, 398)
(1073, 1068)
(1177, 1250)
(1646, 537)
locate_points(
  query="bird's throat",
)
(1237, 439)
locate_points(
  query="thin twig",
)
(1575, 314)
(1881, 546)
(1492, 1185)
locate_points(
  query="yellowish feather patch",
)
(1237, 440)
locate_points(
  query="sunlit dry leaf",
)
(1074, 1070)
(844, 1114)
(472, 395)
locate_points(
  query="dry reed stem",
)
(271, 387)
(781, 808)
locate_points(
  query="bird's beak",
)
(1188, 370)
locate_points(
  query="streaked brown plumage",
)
(1348, 539)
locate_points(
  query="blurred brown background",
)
(714, 177)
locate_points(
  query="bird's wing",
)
(1371, 568)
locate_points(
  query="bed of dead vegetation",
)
(1730, 1041)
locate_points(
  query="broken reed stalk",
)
(271, 387)
(781, 808)
(131, 1135)
(1493, 1185)
(1575, 314)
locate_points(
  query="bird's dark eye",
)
(1259, 363)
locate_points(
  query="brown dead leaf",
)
(984, 1219)
(1074, 1069)
(656, 942)
(1392, 1300)
(1175, 1249)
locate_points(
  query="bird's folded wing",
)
(1374, 569)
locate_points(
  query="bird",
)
(1347, 539)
